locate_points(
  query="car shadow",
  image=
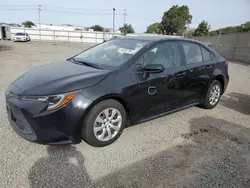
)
(237, 101)
(64, 167)
(215, 154)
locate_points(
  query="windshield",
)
(20, 34)
(112, 53)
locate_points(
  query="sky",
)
(140, 13)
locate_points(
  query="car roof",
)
(155, 38)
(158, 38)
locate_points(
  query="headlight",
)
(54, 101)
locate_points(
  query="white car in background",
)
(21, 37)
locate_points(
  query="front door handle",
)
(208, 66)
(181, 74)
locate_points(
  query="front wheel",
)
(104, 123)
(213, 95)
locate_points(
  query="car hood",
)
(56, 78)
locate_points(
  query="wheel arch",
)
(220, 78)
(218, 75)
(114, 96)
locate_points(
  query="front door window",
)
(164, 53)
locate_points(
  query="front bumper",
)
(33, 122)
(20, 39)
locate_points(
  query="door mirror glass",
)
(153, 68)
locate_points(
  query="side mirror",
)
(153, 68)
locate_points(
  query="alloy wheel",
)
(107, 124)
(214, 95)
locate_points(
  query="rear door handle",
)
(208, 66)
(181, 74)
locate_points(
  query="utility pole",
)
(39, 20)
(113, 20)
(124, 17)
(124, 14)
(218, 39)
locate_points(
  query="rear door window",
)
(192, 52)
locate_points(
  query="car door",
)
(160, 92)
(198, 66)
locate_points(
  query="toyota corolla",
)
(94, 95)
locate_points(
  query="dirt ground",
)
(191, 148)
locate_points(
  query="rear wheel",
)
(104, 123)
(213, 95)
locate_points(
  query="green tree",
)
(127, 29)
(189, 33)
(28, 24)
(213, 33)
(175, 20)
(244, 27)
(154, 28)
(229, 30)
(232, 29)
(97, 28)
(202, 29)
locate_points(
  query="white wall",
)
(56, 27)
(67, 36)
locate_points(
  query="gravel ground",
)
(190, 148)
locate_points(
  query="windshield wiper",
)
(87, 63)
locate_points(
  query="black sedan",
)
(94, 95)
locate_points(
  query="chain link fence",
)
(232, 46)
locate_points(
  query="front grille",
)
(18, 120)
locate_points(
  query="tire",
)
(90, 122)
(207, 103)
